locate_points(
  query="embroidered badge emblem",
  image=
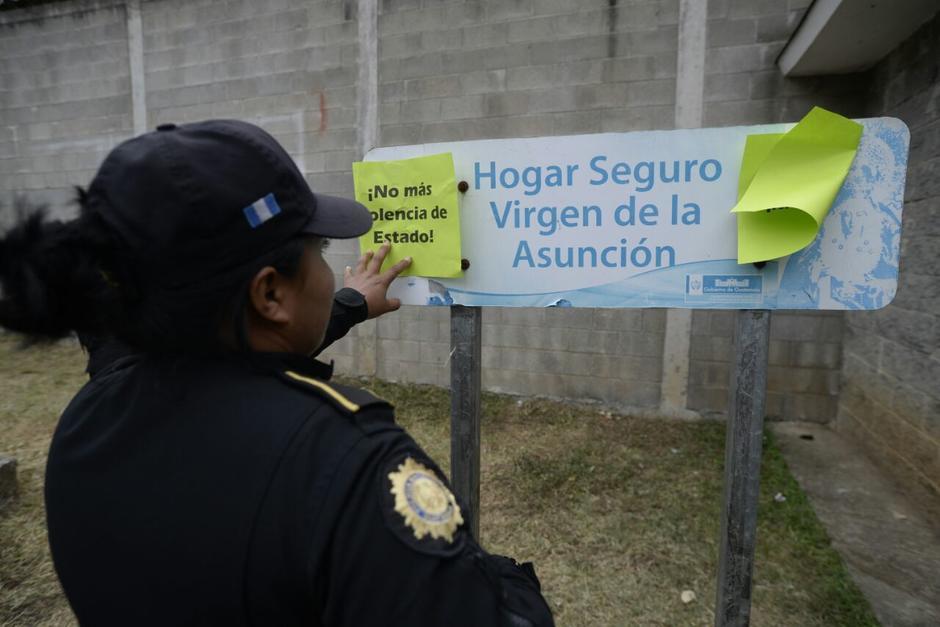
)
(425, 503)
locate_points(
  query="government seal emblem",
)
(423, 500)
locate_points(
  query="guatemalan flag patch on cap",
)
(261, 210)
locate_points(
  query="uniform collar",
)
(299, 363)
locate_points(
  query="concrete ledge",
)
(889, 546)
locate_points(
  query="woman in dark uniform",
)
(208, 473)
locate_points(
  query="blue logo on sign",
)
(731, 284)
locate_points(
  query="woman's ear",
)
(269, 295)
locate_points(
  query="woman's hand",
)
(373, 284)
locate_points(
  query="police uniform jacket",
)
(247, 490)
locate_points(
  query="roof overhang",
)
(845, 36)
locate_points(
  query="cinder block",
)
(913, 367)
(432, 87)
(590, 340)
(768, 84)
(918, 292)
(626, 69)
(593, 22)
(655, 92)
(576, 122)
(462, 107)
(401, 134)
(922, 217)
(810, 407)
(701, 323)
(715, 374)
(648, 42)
(531, 77)
(552, 7)
(558, 99)
(532, 29)
(777, 27)
(566, 50)
(720, 87)
(483, 82)
(443, 131)
(434, 353)
(649, 345)
(459, 62)
(638, 118)
(706, 399)
(508, 9)
(654, 320)
(774, 406)
(428, 110)
(429, 17)
(710, 348)
(398, 46)
(618, 319)
(796, 5)
(756, 8)
(668, 12)
(921, 251)
(512, 55)
(506, 103)
(917, 330)
(637, 393)
(504, 335)
(722, 33)
(583, 388)
(733, 59)
(409, 372)
(740, 112)
(780, 352)
(576, 317)
(479, 36)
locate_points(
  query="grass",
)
(619, 514)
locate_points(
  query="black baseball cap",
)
(196, 201)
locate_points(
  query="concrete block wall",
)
(890, 400)
(64, 98)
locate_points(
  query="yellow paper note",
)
(789, 181)
(414, 206)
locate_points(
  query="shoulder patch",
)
(419, 508)
(348, 399)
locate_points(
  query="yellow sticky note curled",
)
(789, 181)
(414, 206)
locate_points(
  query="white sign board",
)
(643, 220)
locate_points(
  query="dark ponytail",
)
(62, 277)
(51, 280)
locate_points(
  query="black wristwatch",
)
(354, 303)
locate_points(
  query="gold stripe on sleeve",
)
(336, 396)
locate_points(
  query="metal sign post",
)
(743, 445)
(466, 324)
